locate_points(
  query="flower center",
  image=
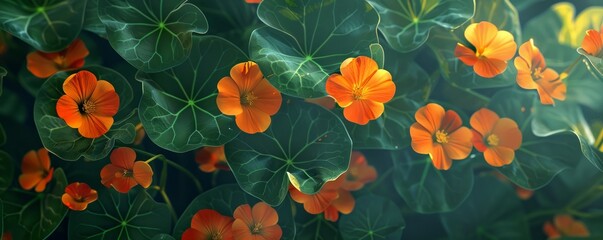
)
(248, 98)
(88, 107)
(537, 73)
(441, 136)
(59, 62)
(493, 140)
(358, 92)
(257, 228)
(127, 173)
(216, 236)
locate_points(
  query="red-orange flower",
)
(440, 134)
(209, 224)
(493, 48)
(593, 42)
(359, 173)
(123, 173)
(248, 96)
(88, 105)
(325, 102)
(211, 158)
(43, 65)
(361, 89)
(78, 195)
(496, 137)
(257, 223)
(565, 226)
(253, 1)
(35, 170)
(331, 199)
(532, 73)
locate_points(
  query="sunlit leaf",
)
(373, 218)
(178, 106)
(443, 42)
(378, 54)
(225, 199)
(406, 24)
(426, 189)
(7, 171)
(47, 25)
(304, 140)
(134, 215)
(151, 35)
(584, 86)
(538, 159)
(596, 62)
(492, 211)
(31, 215)
(307, 40)
(65, 141)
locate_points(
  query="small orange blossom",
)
(565, 226)
(43, 65)
(259, 222)
(78, 195)
(209, 224)
(123, 173)
(496, 137)
(36, 170)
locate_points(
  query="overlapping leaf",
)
(538, 159)
(373, 217)
(225, 199)
(584, 86)
(65, 141)
(406, 24)
(7, 171)
(315, 227)
(134, 215)
(443, 42)
(49, 25)
(307, 40)
(151, 35)
(92, 20)
(178, 106)
(304, 140)
(426, 189)
(35, 216)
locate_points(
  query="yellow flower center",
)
(88, 107)
(247, 99)
(60, 62)
(216, 236)
(358, 92)
(441, 136)
(537, 73)
(127, 173)
(256, 228)
(493, 140)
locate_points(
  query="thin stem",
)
(566, 72)
(153, 158)
(176, 166)
(381, 179)
(471, 92)
(167, 201)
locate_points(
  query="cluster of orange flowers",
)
(259, 222)
(441, 134)
(335, 196)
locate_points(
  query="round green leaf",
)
(584, 86)
(538, 159)
(225, 199)
(406, 24)
(443, 42)
(315, 227)
(308, 39)
(134, 215)
(426, 189)
(92, 22)
(151, 35)
(7, 171)
(31, 215)
(373, 218)
(178, 106)
(304, 141)
(65, 141)
(47, 25)
(491, 212)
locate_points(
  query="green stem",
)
(167, 201)
(381, 179)
(473, 93)
(566, 72)
(176, 166)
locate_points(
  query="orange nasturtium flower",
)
(493, 48)
(496, 137)
(532, 73)
(88, 105)
(209, 224)
(440, 134)
(253, 1)
(78, 195)
(248, 96)
(361, 89)
(359, 173)
(593, 42)
(123, 173)
(565, 226)
(36, 170)
(259, 222)
(331, 199)
(43, 65)
(211, 158)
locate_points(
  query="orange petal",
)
(209, 221)
(243, 213)
(80, 85)
(459, 144)
(264, 214)
(123, 184)
(430, 116)
(331, 214)
(340, 89)
(229, 97)
(108, 174)
(253, 120)
(489, 68)
(268, 97)
(524, 75)
(451, 121)
(123, 157)
(105, 98)
(358, 70)
(483, 121)
(550, 86)
(73, 204)
(44, 158)
(508, 133)
(465, 54)
(422, 139)
(40, 66)
(68, 110)
(246, 75)
(439, 158)
(592, 43)
(240, 230)
(499, 156)
(42, 184)
(75, 54)
(193, 234)
(143, 173)
(29, 180)
(502, 47)
(94, 126)
(478, 141)
(362, 111)
(380, 87)
(532, 55)
(316, 203)
(481, 34)
(31, 163)
(345, 202)
(550, 231)
(272, 233)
